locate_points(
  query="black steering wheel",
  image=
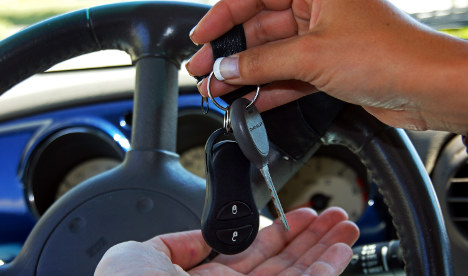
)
(150, 193)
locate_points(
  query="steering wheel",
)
(150, 193)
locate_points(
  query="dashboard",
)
(51, 143)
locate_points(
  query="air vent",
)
(457, 199)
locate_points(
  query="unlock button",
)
(234, 210)
(235, 235)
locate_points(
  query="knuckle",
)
(258, 29)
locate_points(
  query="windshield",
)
(16, 14)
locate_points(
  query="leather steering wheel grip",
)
(160, 30)
(397, 170)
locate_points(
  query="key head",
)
(250, 132)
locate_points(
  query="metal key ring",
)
(226, 108)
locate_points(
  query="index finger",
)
(226, 14)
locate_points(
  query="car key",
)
(230, 218)
(250, 133)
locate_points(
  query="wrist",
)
(438, 84)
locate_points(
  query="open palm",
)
(315, 245)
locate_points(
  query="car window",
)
(17, 14)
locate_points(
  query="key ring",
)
(227, 121)
(227, 107)
(205, 109)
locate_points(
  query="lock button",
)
(235, 235)
(234, 210)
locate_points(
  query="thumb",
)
(185, 249)
(281, 60)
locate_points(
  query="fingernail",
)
(187, 67)
(226, 68)
(191, 34)
(199, 84)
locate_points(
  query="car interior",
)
(103, 132)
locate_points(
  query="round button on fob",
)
(234, 210)
(234, 236)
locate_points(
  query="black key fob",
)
(230, 217)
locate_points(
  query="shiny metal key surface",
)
(274, 196)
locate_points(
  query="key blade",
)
(274, 196)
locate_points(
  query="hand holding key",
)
(315, 245)
(301, 47)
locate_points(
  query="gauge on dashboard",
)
(193, 160)
(83, 172)
(333, 177)
(66, 157)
